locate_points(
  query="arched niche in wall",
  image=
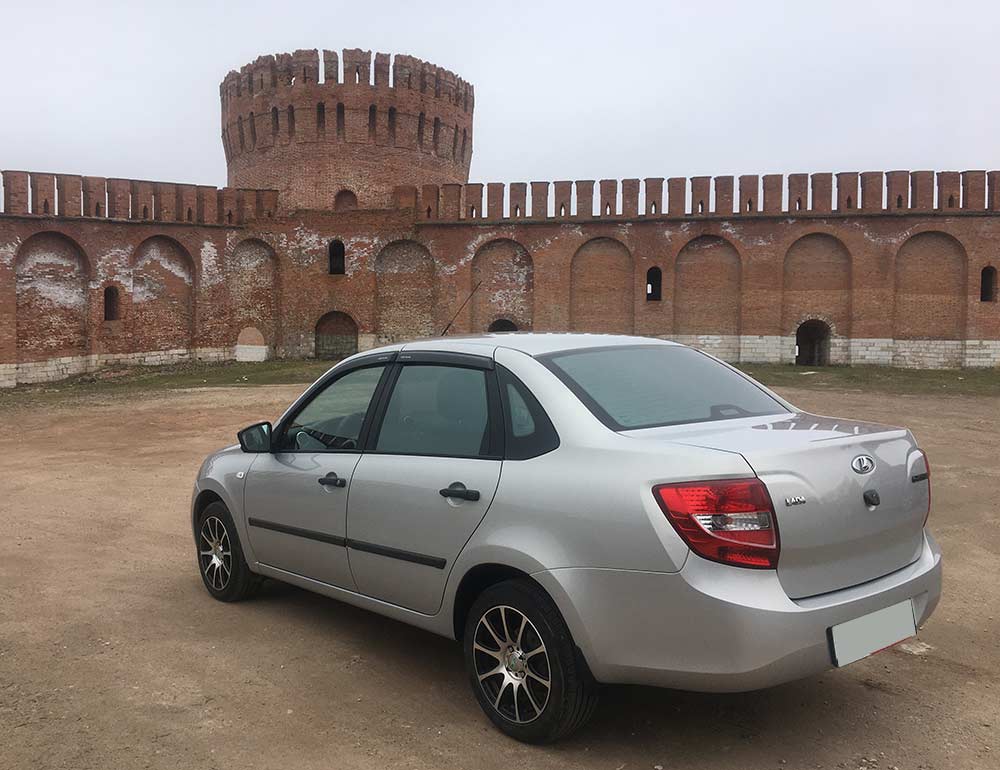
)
(505, 274)
(816, 279)
(162, 296)
(601, 288)
(50, 284)
(707, 277)
(254, 292)
(405, 292)
(930, 288)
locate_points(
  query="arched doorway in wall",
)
(336, 336)
(345, 201)
(503, 325)
(812, 343)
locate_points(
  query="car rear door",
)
(296, 496)
(427, 477)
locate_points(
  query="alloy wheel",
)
(215, 553)
(512, 664)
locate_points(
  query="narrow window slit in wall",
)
(951, 201)
(899, 201)
(291, 120)
(988, 284)
(798, 204)
(654, 284)
(420, 130)
(274, 120)
(253, 131)
(337, 254)
(189, 214)
(436, 136)
(340, 120)
(372, 119)
(392, 126)
(111, 310)
(850, 202)
(320, 118)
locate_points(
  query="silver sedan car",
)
(580, 509)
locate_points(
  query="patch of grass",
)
(880, 379)
(125, 380)
(117, 381)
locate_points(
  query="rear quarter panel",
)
(588, 503)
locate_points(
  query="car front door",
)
(296, 496)
(426, 479)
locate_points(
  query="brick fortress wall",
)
(897, 267)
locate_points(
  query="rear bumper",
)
(716, 628)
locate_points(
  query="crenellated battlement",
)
(316, 124)
(818, 194)
(33, 193)
(307, 68)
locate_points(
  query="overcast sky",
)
(580, 90)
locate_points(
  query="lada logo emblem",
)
(863, 464)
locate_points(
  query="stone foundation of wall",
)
(252, 353)
(912, 354)
(67, 366)
(928, 354)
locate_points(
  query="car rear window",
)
(646, 386)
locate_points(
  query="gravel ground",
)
(112, 655)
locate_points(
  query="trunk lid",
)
(831, 537)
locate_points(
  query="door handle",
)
(458, 491)
(332, 480)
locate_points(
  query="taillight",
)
(729, 521)
(927, 465)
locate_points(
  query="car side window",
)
(437, 410)
(529, 431)
(332, 420)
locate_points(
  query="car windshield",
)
(646, 386)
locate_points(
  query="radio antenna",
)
(474, 290)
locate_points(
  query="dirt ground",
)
(112, 655)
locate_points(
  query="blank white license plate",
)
(861, 637)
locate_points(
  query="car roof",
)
(530, 343)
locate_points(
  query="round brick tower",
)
(291, 122)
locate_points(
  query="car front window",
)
(332, 420)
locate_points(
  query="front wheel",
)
(220, 556)
(525, 670)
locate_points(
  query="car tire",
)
(223, 568)
(524, 668)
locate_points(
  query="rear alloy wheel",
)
(220, 557)
(526, 672)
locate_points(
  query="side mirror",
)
(255, 438)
